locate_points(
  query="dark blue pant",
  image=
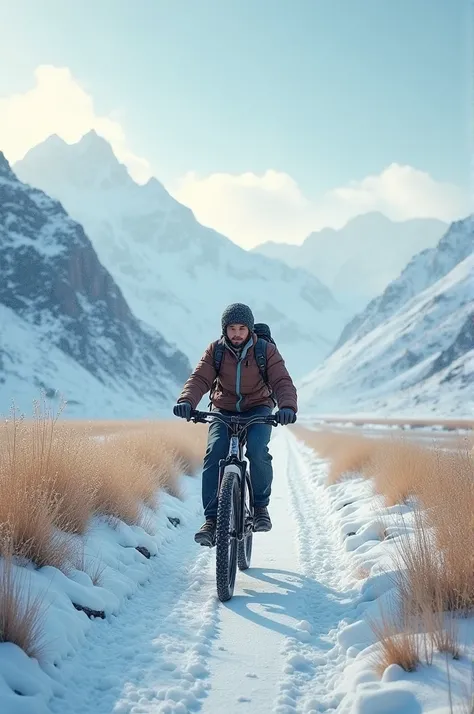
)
(260, 459)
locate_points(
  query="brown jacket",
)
(240, 385)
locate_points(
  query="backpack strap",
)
(217, 357)
(260, 351)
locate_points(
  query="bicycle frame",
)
(235, 458)
(238, 426)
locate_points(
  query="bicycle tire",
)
(244, 549)
(226, 548)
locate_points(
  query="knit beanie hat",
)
(237, 314)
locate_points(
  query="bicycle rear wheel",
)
(244, 549)
(226, 532)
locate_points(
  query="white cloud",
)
(251, 209)
(248, 208)
(57, 104)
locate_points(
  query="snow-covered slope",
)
(423, 270)
(64, 323)
(176, 274)
(421, 358)
(358, 261)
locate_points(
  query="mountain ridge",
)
(53, 281)
(339, 257)
(176, 274)
(418, 352)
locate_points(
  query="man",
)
(239, 388)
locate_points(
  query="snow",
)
(26, 685)
(423, 271)
(30, 363)
(369, 552)
(339, 257)
(72, 309)
(45, 243)
(387, 369)
(294, 638)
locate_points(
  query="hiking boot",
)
(207, 533)
(261, 520)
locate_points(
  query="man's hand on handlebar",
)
(285, 416)
(183, 410)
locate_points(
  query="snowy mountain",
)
(358, 261)
(422, 271)
(176, 274)
(64, 323)
(416, 353)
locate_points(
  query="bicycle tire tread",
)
(244, 548)
(244, 553)
(230, 482)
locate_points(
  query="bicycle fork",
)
(233, 465)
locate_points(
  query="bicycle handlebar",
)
(203, 417)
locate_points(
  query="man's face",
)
(238, 334)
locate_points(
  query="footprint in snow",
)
(299, 662)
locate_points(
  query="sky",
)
(270, 119)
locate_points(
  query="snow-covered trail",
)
(279, 629)
(175, 648)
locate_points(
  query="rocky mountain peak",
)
(53, 280)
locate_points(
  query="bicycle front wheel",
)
(244, 549)
(226, 535)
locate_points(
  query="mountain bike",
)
(235, 506)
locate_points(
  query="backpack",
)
(264, 336)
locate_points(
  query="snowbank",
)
(370, 533)
(127, 556)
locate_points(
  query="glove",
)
(285, 416)
(183, 410)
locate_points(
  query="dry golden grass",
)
(188, 441)
(94, 567)
(165, 453)
(136, 463)
(347, 453)
(448, 497)
(438, 559)
(30, 509)
(67, 470)
(434, 572)
(399, 644)
(21, 614)
(355, 456)
(422, 626)
(99, 427)
(125, 485)
(435, 565)
(445, 637)
(55, 475)
(399, 469)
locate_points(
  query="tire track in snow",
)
(278, 650)
(152, 657)
(314, 661)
